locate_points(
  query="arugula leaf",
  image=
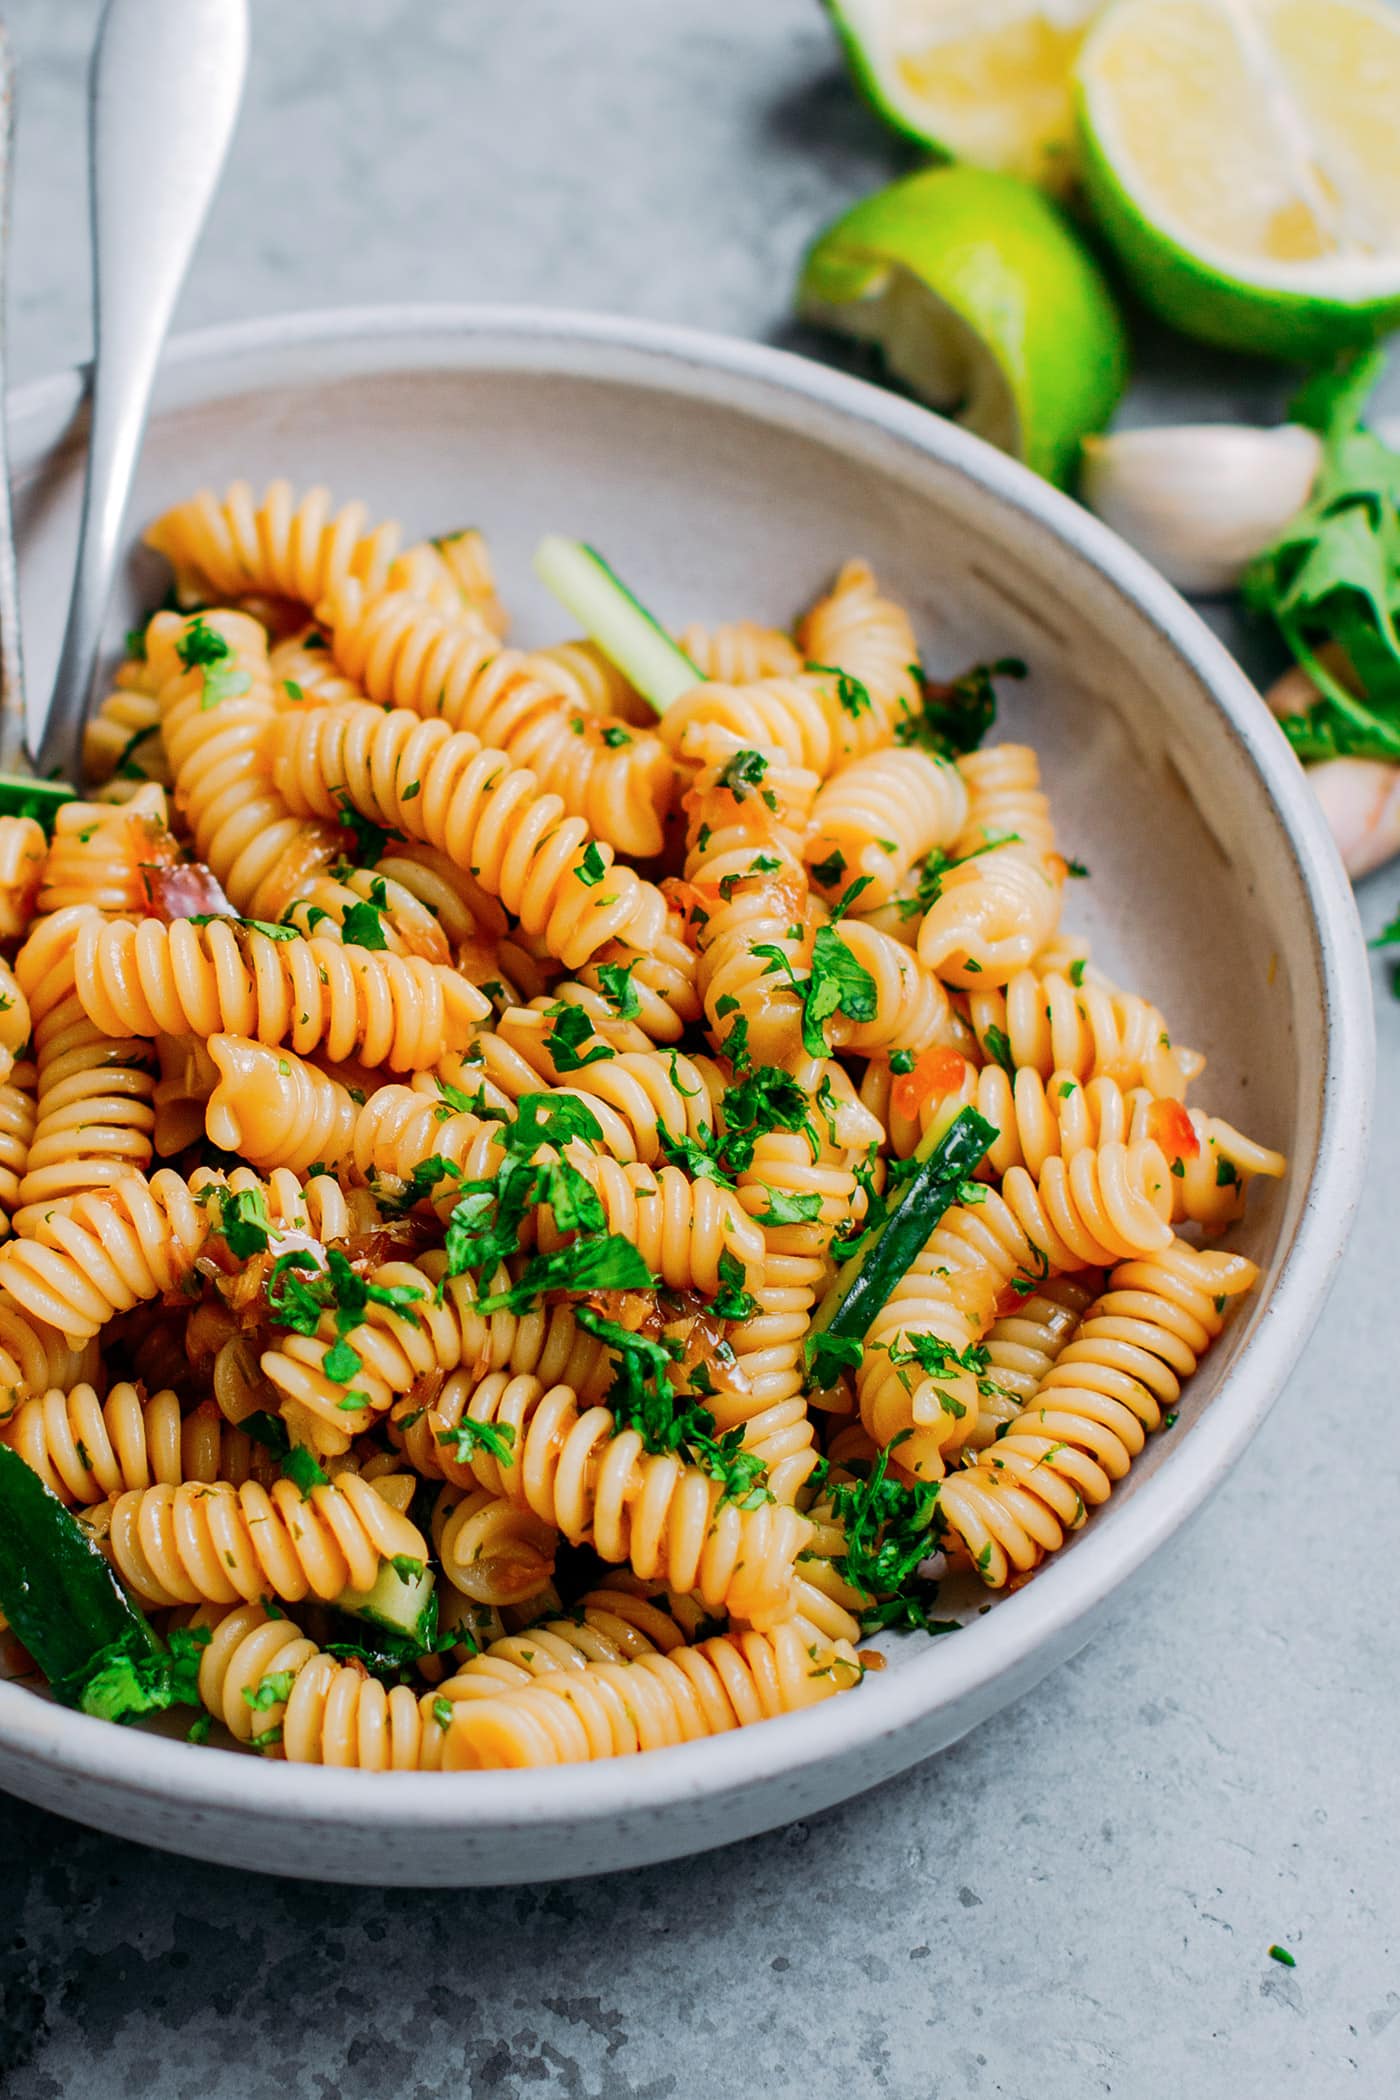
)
(1332, 577)
(742, 773)
(123, 1685)
(643, 1398)
(592, 868)
(830, 1354)
(698, 1156)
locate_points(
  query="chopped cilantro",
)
(741, 773)
(616, 981)
(732, 1301)
(201, 647)
(997, 1044)
(243, 1222)
(851, 694)
(466, 1438)
(838, 983)
(829, 872)
(783, 1209)
(592, 868)
(572, 1029)
(363, 924)
(300, 1467)
(955, 717)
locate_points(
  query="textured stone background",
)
(1079, 1899)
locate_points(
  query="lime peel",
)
(1257, 230)
(984, 301)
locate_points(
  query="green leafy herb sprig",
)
(1331, 580)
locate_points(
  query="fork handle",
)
(167, 79)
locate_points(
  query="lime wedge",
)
(984, 301)
(1244, 158)
(986, 81)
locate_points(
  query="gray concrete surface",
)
(1079, 1899)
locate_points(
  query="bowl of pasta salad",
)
(684, 1031)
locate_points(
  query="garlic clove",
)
(1293, 691)
(1360, 799)
(1200, 499)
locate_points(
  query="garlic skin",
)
(1200, 500)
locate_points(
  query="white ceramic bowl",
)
(728, 480)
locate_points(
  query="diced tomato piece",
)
(938, 1072)
(1169, 1124)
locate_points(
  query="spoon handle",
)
(11, 652)
(167, 78)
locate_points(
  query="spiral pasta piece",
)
(578, 1472)
(912, 1007)
(90, 1256)
(239, 546)
(275, 1109)
(617, 1709)
(18, 1116)
(150, 979)
(1023, 1344)
(212, 1543)
(491, 1549)
(122, 743)
(86, 1449)
(22, 852)
(681, 1228)
(1210, 1162)
(486, 815)
(1000, 905)
(739, 652)
(434, 1332)
(634, 1094)
(1084, 1026)
(101, 855)
(94, 1092)
(453, 668)
(1091, 1413)
(272, 1686)
(869, 637)
(218, 706)
(878, 815)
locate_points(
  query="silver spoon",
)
(167, 79)
(11, 652)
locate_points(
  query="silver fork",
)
(166, 82)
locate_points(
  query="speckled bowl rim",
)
(961, 1672)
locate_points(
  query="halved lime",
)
(987, 81)
(984, 301)
(1244, 158)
